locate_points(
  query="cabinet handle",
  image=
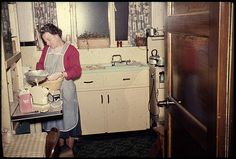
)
(102, 99)
(125, 79)
(108, 99)
(88, 81)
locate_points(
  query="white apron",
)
(54, 62)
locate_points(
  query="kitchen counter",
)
(46, 110)
(17, 115)
(114, 103)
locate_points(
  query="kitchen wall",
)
(30, 54)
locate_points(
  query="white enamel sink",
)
(93, 67)
(117, 66)
(126, 64)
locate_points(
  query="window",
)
(110, 18)
(92, 18)
(105, 18)
(121, 20)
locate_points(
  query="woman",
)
(62, 59)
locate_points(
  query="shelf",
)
(160, 37)
(12, 60)
(18, 116)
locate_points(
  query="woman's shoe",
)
(61, 142)
(70, 142)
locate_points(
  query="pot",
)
(151, 31)
(36, 76)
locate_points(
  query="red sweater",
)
(71, 62)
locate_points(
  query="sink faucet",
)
(113, 62)
(127, 62)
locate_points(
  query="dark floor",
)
(125, 144)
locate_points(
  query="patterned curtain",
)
(139, 20)
(44, 12)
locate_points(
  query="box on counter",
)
(93, 43)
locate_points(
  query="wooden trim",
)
(169, 136)
(231, 134)
(5, 111)
(12, 60)
(213, 66)
(224, 25)
(28, 43)
(168, 68)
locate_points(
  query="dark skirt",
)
(75, 132)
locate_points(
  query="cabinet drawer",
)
(89, 82)
(126, 79)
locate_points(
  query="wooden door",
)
(196, 42)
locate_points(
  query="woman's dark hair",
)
(50, 28)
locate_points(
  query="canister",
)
(25, 101)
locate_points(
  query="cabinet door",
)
(127, 109)
(92, 112)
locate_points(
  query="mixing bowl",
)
(36, 76)
(54, 84)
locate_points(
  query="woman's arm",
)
(72, 64)
(40, 64)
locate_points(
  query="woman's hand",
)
(55, 76)
(64, 74)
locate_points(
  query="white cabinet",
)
(127, 110)
(92, 112)
(113, 101)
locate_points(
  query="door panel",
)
(186, 145)
(189, 7)
(190, 74)
(198, 25)
(191, 34)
